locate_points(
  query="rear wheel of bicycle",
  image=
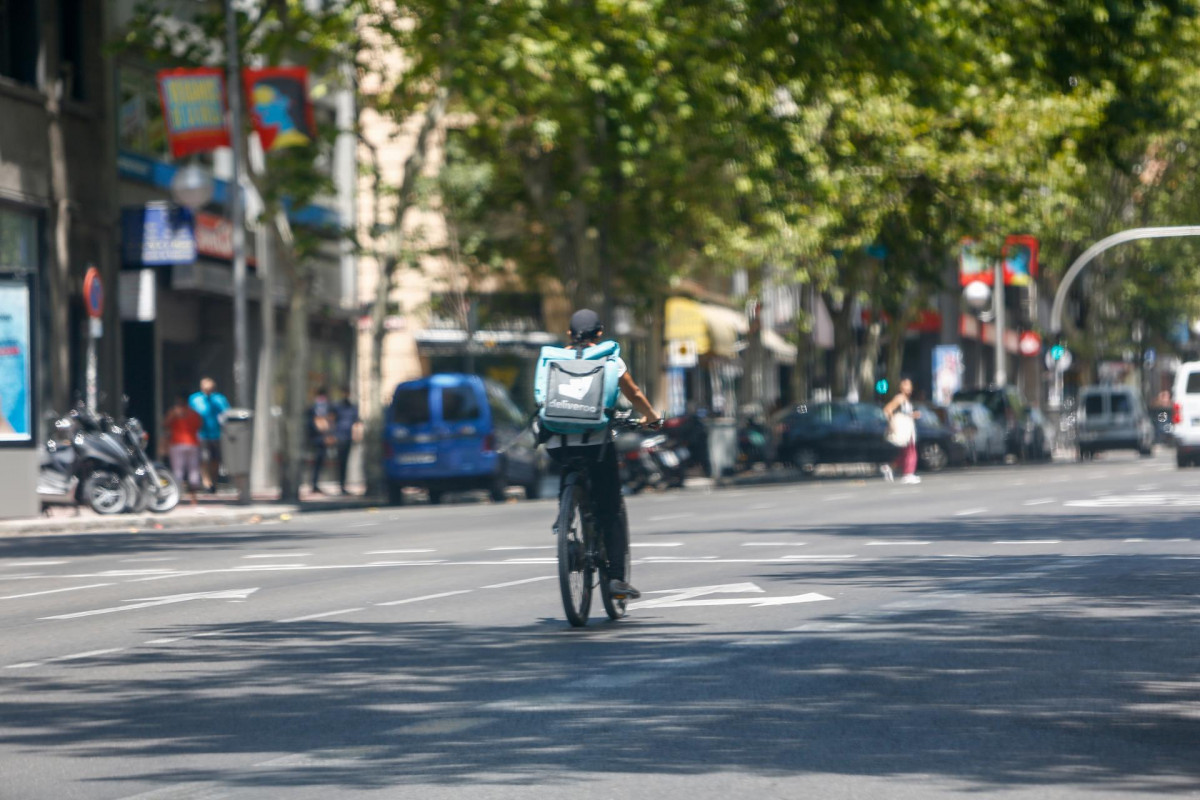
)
(574, 571)
(613, 606)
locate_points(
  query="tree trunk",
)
(843, 343)
(60, 266)
(296, 354)
(868, 357)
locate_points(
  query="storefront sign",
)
(214, 238)
(16, 407)
(156, 235)
(279, 106)
(193, 102)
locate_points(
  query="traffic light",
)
(881, 386)
(1057, 352)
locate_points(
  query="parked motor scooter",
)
(159, 491)
(85, 465)
(752, 442)
(649, 460)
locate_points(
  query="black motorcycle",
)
(84, 464)
(157, 488)
(649, 460)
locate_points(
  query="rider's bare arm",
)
(634, 395)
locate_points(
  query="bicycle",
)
(582, 560)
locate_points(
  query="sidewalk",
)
(206, 510)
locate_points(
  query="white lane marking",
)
(1041, 501)
(24, 665)
(816, 558)
(41, 562)
(88, 654)
(265, 567)
(657, 544)
(897, 544)
(54, 591)
(1135, 540)
(147, 602)
(147, 560)
(278, 555)
(679, 558)
(424, 597)
(695, 596)
(530, 560)
(518, 583)
(834, 497)
(764, 506)
(773, 544)
(398, 552)
(166, 640)
(322, 615)
(665, 517)
(363, 525)
(1181, 539)
(970, 512)
(524, 547)
(1028, 541)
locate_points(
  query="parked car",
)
(834, 433)
(1112, 418)
(453, 432)
(1186, 417)
(1024, 437)
(983, 435)
(937, 444)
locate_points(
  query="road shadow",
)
(204, 539)
(1017, 674)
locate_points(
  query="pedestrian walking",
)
(902, 433)
(320, 433)
(183, 424)
(211, 405)
(347, 431)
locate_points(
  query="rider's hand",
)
(656, 425)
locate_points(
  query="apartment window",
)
(71, 48)
(20, 39)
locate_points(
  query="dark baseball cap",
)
(585, 322)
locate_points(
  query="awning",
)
(724, 327)
(783, 350)
(683, 321)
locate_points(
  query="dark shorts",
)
(210, 450)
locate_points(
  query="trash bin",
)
(722, 447)
(237, 436)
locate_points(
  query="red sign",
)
(279, 106)
(193, 102)
(93, 293)
(1030, 344)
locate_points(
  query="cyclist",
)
(587, 330)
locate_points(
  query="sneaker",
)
(622, 590)
(887, 473)
(910, 479)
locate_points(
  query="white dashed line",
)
(55, 591)
(526, 547)
(321, 616)
(24, 665)
(35, 563)
(424, 597)
(147, 560)
(1134, 540)
(518, 583)
(896, 544)
(773, 544)
(1039, 502)
(88, 654)
(834, 497)
(363, 525)
(278, 555)
(657, 544)
(397, 552)
(665, 517)
(1028, 541)
(970, 512)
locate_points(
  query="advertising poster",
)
(279, 106)
(193, 102)
(16, 413)
(971, 267)
(947, 373)
(1020, 260)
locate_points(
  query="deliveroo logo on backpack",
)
(576, 388)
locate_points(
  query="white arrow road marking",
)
(147, 602)
(695, 596)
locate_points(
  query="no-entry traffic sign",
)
(93, 293)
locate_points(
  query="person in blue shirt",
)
(320, 433)
(211, 405)
(347, 429)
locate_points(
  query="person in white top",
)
(587, 330)
(906, 462)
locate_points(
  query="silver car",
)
(985, 438)
(1112, 418)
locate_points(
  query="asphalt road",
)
(1018, 632)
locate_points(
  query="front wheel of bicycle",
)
(574, 570)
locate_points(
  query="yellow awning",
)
(684, 321)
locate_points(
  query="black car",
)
(938, 446)
(834, 433)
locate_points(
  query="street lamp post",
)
(241, 388)
(1001, 375)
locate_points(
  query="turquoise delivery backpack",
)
(576, 390)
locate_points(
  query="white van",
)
(1186, 395)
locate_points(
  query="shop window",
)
(18, 242)
(20, 40)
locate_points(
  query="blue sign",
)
(157, 235)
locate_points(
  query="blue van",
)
(454, 432)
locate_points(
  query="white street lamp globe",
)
(192, 187)
(978, 295)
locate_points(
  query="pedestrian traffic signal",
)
(1057, 352)
(881, 386)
